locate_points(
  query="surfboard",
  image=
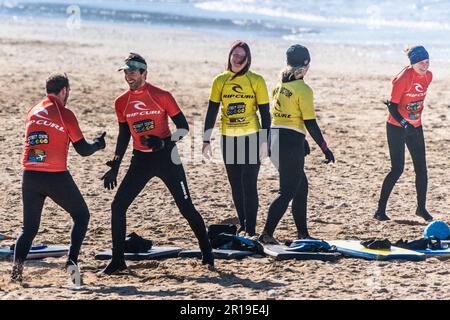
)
(442, 252)
(155, 253)
(3, 237)
(218, 254)
(282, 252)
(38, 252)
(352, 248)
(429, 252)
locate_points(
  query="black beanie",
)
(297, 56)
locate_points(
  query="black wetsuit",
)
(61, 188)
(287, 149)
(165, 164)
(145, 166)
(242, 163)
(397, 139)
(289, 145)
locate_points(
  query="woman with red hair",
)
(244, 139)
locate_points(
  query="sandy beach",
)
(349, 83)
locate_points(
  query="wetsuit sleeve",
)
(182, 127)
(171, 105)
(306, 102)
(71, 125)
(122, 140)
(85, 149)
(210, 120)
(216, 91)
(393, 110)
(264, 111)
(262, 96)
(316, 134)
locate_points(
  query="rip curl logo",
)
(237, 88)
(143, 110)
(38, 113)
(419, 88)
(139, 105)
(419, 91)
(278, 112)
(238, 92)
(41, 113)
(277, 106)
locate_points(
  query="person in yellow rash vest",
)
(244, 140)
(293, 114)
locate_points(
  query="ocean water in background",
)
(386, 22)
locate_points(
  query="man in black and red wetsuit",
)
(142, 113)
(50, 127)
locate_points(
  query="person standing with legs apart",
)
(244, 141)
(50, 127)
(404, 127)
(292, 114)
(142, 113)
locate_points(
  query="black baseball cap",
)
(297, 56)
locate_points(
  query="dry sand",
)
(349, 83)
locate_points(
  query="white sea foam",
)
(397, 22)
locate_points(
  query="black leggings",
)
(241, 158)
(416, 145)
(287, 154)
(60, 187)
(145, 166)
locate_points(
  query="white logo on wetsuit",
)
(142, 107)
(184, 190)
(418, 87)
(139, 105)
(38, 114)
(44, 122)
(420, 91)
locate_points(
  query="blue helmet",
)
(438, 229)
